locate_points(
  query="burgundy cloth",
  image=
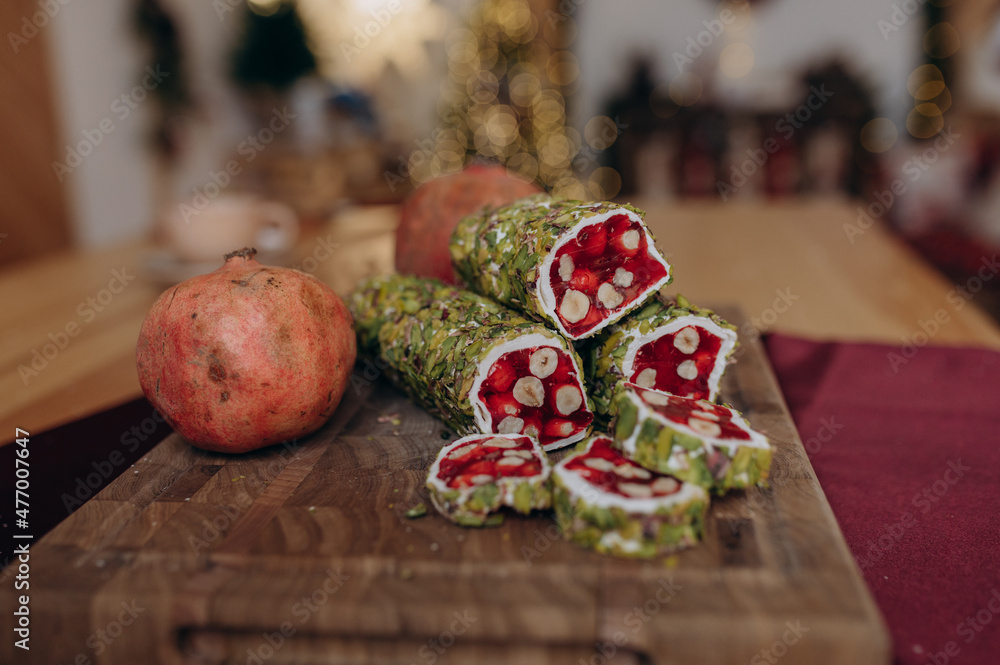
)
(908, 453)
(71, 463)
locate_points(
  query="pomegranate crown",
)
(245, 253)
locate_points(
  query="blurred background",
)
(122, 114)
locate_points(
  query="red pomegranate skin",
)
(246, 356)
(429, 215)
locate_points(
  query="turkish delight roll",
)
(389, 298)
(477, 475)
(481, 367)
(609, 503)
(694, 440)
(578, 266)
(668, 345)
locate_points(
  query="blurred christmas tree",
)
(504, 99)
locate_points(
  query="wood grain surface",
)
(302, 554)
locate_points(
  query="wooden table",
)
(789, 267)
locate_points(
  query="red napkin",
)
(906, 444)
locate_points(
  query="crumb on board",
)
(392, 418)
(416, 511)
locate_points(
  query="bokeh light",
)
(523, 164)
(600, 132)
(736, 60)
(686, 89)
(878, 135)
(505, 97)
(923, 126)
(929, 90)
(604, 183)
(562, 68)
(942, 40)
(921, 76)
(741, 15)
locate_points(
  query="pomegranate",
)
(431, 212)
(246, 356)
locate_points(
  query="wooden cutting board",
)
(302, 554)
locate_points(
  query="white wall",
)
(94, 61)
(98, 57)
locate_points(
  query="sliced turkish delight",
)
(478, 474)
(611, 504)
(668, 345)
(697, 441)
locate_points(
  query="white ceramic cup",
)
(228, 223)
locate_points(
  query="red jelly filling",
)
(605, 467)
(536, 391)
(604, 269)
(702, 417)
(680, 363)
(490, 456)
